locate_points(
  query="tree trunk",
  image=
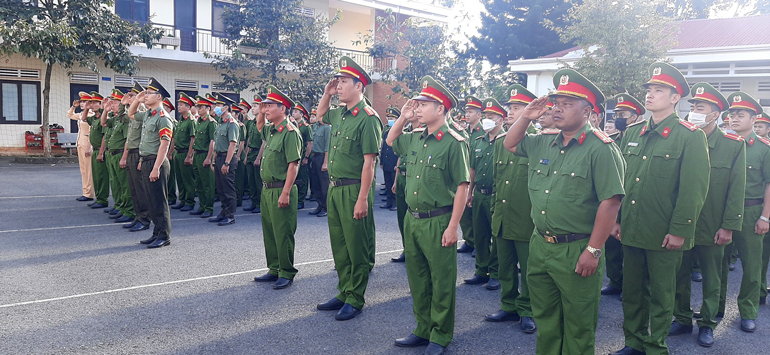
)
(46, 110)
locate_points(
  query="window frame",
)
(216, 33)
(146, 15)
(20, 99)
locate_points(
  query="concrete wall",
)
(347, 30)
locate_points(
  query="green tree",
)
(692, 9)
(69, 33)
(273, 45)
(619, 39)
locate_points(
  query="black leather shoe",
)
(310, 199)
(347, 312)
(610, 290)
(216, 198)
(206, 214)
(762, 299)
(114, 212)
(434, 349)
(628, 351)
(177, 206)
(400, 259)
(239, 204)
(748, 325)
(226, 221)
(186, 208)
(115, 216)
(387, 205)
(473, 253)
(411, 341)
(197, 213)
(502, 316)
(90, 204)
(83, 198)
(384, 192)
(266, 278)
(130, 225)
(300, 206)
(139, 227)
(384, 199)
(732, 266)
(171, 202)
(316, 211)
(528, 325)
(705, 337)
(216, 219)
(159, 243)
(250, 208)
(257, 210)
(148, 240)
(679, 329)
(123, 219)
(98, 205)
(321, 214)
(465, 248)
(696, 315)
(493, 284)
(332, 305)
(394, 208)
(476, 280)
(282, 283)
(108, 209)
(697, 276)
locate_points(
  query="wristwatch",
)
(597, 253)
(226, 164)
(763, 218)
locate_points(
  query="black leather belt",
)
(753, 202)
(116, 151)
(272, 185)
(344, 182)
(222, 154)
(298, 181)
(484, 191)
(133, 151)
(403, 173)
(151, 157)
(562, 238)
(198, 151)
(316, 153)
(429, 214)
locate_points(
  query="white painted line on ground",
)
(167, 283)
(45, 196)
(104, 224)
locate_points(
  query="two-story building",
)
(191, 28)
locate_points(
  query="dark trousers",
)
(390, 177)
(302, 182)
(225, 185)
(319, 180)
(157, 192)
(136, 187)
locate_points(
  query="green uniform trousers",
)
(765, 260)
(566, 305)
(510, 253)
(749, 246)
(240, 182)
(352, 242)
(649, 287)
(432, 273)
(158, 202)
(185, 178)
(205, 184)
(117, 197)
(254, 179)
(401, 205)
(711, 266)
(101, 176)
(614, 262)
(120, 190)
(303, 181)
(278, 228)
(139, 197)
(466, 225)
(172, 181)
(486, 249)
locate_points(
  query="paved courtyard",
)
(71, 281)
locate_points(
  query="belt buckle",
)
(415, 214)
(333, 183)
(550, 239)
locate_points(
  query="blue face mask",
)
(391, 122)
(218, 111)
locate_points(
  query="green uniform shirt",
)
(727, 185)
(243, 137)
(567, 183)
(307, 136)
(156, 127)
(321, 133)
(119, 130)
(110, 124)
(481, 161)
(757, 166)
(354, 132)
(254, 138)
(204, 133)
(224, 134)
(476, 132)
(282, 146)
(459, 129)
(134, 133)
(97, 131)
(511, 209)
(183, 131)
(436, 164)
(666, 182)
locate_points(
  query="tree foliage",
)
(700, 9)
(619, 40)
(272, 45)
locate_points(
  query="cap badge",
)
(621, 99)
(737, 98)
(424, 84)
(489, 104)
(343, 63)
(564, 80)
(656, 71)
(700, 90)
(514, 92)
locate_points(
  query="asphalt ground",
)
(73, 282)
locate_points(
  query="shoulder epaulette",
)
(290, 126)
(457, 136)
(691, 126)
(765, 140)
(457, 126)
(370, 111)
(734, 137)
(550, 131)
(603, 136)
(636, 124)
(501, 135)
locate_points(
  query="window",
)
(20, 102)
(217, 25)
(133, 10)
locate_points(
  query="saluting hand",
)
(407, 111)
(535, 109)
(331, 87)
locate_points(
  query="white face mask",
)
(488, 124)
(698, 119)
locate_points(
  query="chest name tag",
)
(633, 144)
(478, 150)
(545, 161)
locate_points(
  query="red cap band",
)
(438, 96)
(278, 98)
(577, 90)
(354, 73)
(667, 80)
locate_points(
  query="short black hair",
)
(715, 107)
(356, 81)
(767, 125)
(673, 91)
(286, 109)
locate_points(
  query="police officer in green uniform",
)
(204, 150)
(241, 176)
(354, 145)
(168, 106)
(480, 195)
(279, 169)
(107, 121)
(253, 159)
(512, 225)
(473, 108)
(98, 165)
(319, 160)
(116, 148)
(436, 192)
(298, 116)
(184, 140)
(575, 186)
(226, 138)
(666, 181)
(130, 162)
(399, 186)
(722, 214)
(749, 240)
(627, 111)
(157, 132)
